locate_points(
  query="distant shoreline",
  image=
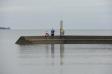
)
(5, 28)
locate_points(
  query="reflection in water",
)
(52, 50)
(47, 50)
(52, 53)
(58, 59)
(61, 53)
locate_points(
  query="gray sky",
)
(41, 14)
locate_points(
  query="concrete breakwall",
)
(65, 40)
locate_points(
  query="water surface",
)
(54, 58)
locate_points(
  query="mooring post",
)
(61, 32)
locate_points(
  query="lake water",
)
(54, 59)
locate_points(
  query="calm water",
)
(54, 59)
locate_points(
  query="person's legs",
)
(52, 34)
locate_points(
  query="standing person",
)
(52, 32)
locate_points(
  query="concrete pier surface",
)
(64, 40)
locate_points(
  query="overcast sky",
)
(41, 14)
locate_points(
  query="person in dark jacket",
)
(52, 32)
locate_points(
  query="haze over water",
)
(54, 59)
